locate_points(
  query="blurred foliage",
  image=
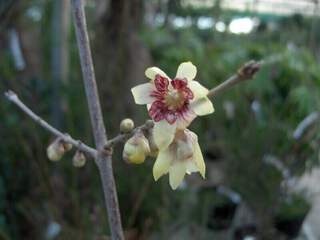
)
(295, 207)
(250, 122)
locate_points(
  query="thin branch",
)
(246, 72)
(103, 160)
(306, 124)
(122, 137)
(11, 96)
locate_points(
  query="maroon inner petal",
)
(161, 83)
(157, 94)
(188, 93)
(157, 111)
(179, 83)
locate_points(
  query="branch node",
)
(248, 70)
(64, 137)
(107, 151)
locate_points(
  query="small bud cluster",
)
(58, 148)
(140, 145)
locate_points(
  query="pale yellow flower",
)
(182, 156)
(172, 104)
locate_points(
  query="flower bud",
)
(126, 125)
(67, 146)
(79, 159)
(185, 141)
(55, 150)
(136, 149)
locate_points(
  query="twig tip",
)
(248, 70)
(10, 94)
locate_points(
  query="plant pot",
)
(221, 216)
(290, 216)
(290, 227)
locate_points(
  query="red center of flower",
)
(172, 99)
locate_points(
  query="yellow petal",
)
(153, 71)
(187, 70)
(141, 93)
(198, 90)
(199, 161)
(163, 133)
(176, 174)
(162, 164)
(191, 167)
(202, 106)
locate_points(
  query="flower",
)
(182, 156)
(172, 104)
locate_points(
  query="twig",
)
(103, 160)
(11, 96)
(246, 72)
(122, 137)
(278, 164)
(306, 124)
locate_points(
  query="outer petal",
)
(198, 90)
(163, 133)
(176, 174)
(198, 159)
(153, 71)
(162, 164)
(191, 167)
(141, 93)
(202, 106)
(186, 70)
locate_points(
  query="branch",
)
(11, 96)
(306, 124)
(246, 72)
(89, 79)
(122, 137)
(103, 160)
